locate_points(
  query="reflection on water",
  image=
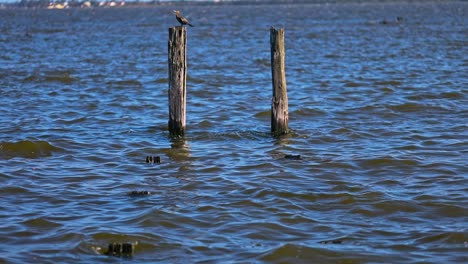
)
(374, 169)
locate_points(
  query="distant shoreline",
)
(64, 4)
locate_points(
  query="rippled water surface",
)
(378, 114)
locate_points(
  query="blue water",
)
(377, 113)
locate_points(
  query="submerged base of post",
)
(175, 129)
(177, 49)
(279, 117)
(279, 101)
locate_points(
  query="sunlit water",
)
(378, 114)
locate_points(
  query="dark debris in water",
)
(139, 193)
(334, 241)
(121, 249)
(293, 157)
(153, 159)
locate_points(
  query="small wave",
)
(161, 80)
(389, 83)
(452, 95)
(97, 61)
(263, 114)
(387, 90)
(307, 112)
(13, 190)
(26, 149)
(292, 253)
(205, 124)
(387, 161)
(410, 107)
(313, 36)
(63, 77)
(232, 135)
(457, 238)
(391, 207)
(125, 83)
(144, 25)
(40, 224)
(431, 96)
(352, 84)
(191, 79)
(73, 120)
(349, 133)
(262, 62)
(49, 30)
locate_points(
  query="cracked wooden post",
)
(177, 49)
(279, 101)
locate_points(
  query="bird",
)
(182, 20)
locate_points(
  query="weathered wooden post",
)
(177, 48)
(279, 101)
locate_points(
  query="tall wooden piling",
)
(177, 49)
(279, 101)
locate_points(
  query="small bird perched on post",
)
(182, 20)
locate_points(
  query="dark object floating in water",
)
(335, 241)
(121, 249)
(293, 157)
(151, 159)
(398, 20)
(139, 193)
